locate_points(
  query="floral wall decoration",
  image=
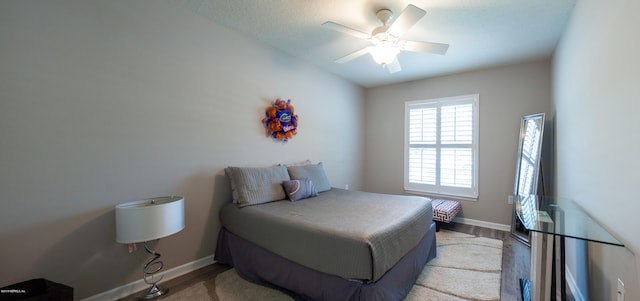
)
(280, 120)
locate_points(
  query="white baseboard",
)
(479, 223)
(136, 286)
(573, 286)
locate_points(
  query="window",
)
(441, 146)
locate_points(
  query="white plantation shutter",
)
(422, 135)
(422, 165)
(441, 146)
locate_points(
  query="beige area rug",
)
(466, 268)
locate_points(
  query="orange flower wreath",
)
(280, 120)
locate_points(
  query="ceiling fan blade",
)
(347, 30)
(436, 48)
(407, 18)
(352, 55)
(394, 66)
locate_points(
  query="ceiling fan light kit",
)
(386, 39)
(384, 53)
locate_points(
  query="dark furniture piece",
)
(36, 290)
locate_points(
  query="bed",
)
(327, 244)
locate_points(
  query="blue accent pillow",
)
(299, 189)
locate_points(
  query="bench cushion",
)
(445, 210)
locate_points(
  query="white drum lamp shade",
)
(146, 220)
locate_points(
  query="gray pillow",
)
(315, 172)
(252, 186)
(299, 189)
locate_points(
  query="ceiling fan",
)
(386, 39)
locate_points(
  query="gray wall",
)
(103, 102)
(596, 81)
(506, 94)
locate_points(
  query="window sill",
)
(443, 196)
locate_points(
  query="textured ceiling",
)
(481, 33)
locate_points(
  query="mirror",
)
(528, 167)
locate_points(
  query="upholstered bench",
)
(444, 211)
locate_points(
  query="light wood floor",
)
(515, 264)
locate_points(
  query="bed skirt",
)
(258, 265)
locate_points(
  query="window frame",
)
(470, 193)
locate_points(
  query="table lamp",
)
(147, 220)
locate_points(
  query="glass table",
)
(550, 220)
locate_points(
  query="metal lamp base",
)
(154, 292)
(150, 269)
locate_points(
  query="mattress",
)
(351, 234)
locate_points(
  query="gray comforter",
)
(352, 234)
